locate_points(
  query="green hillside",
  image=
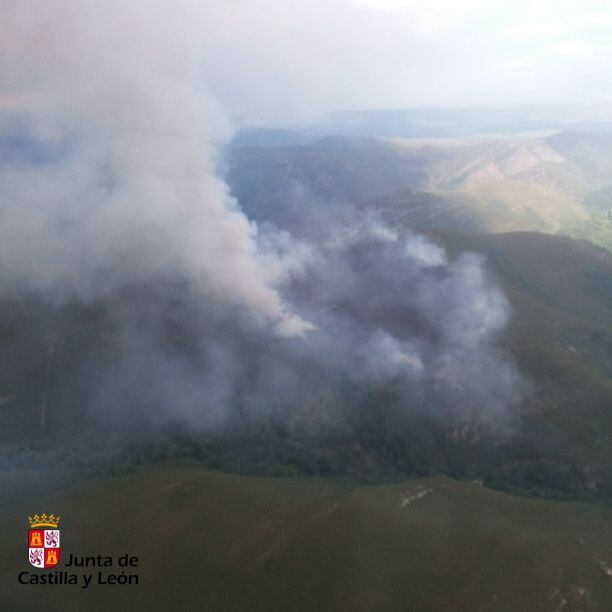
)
(546, 182)
(560, 335)
(211, 541)
(556, 442)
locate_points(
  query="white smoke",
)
(127, 195)
(114, 88)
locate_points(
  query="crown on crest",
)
(44, 520)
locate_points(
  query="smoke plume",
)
(110, 200)
(113, 90)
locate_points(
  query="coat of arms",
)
(44, 540)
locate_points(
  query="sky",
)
(282, 61)
(272, 60)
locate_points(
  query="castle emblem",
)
(44, 540)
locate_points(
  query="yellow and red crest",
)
(44, 540)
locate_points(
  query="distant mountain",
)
(299, 186)
(268, 137)
(453, 123)
(555, 183)
(437, 123)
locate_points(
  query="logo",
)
(44, 544)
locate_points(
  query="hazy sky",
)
(282, 59)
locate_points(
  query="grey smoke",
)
(134, 194)
(389, 312)
(395, 308)
(127, 214)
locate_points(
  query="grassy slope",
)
(597, 228)
(560, 332)
(212, 541)
(530, 182)
(489, 207)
